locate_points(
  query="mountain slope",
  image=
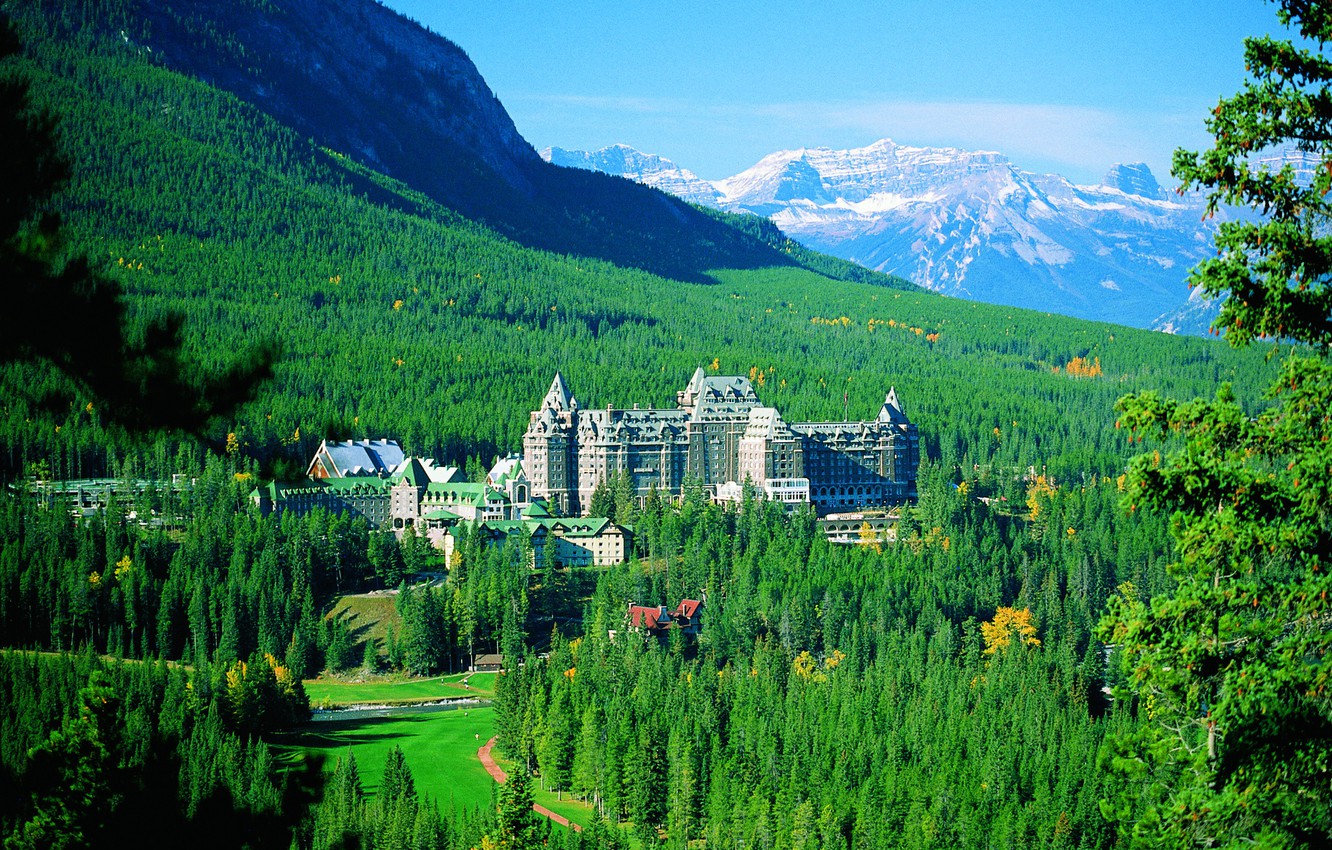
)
(971, 224)
(365, 82)
(398, 317)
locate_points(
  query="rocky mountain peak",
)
(646, 168)
(1134, 178)
(972, 224)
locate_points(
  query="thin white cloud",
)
(636, 105)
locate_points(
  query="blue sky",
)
(1068, 87)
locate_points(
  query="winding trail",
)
(488, 762)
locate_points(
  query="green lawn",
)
(397, 690)
(440, 750)
(482, 684)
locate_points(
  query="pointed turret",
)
(558, 396)
(892, 409)
(696, 382)
(413, 472)
(686, 397)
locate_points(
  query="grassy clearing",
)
(397, 690)
(369, 616)
(482, 684)
(331, 692)
(440, 749)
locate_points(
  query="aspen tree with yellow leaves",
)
(1009, 623)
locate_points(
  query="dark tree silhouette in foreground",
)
(65, 318)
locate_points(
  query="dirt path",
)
(499, 775)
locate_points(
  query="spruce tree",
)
(340, 815)
(1232, 665)
(519, 827)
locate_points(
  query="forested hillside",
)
(869, 695)
(399, 317)
(365, 82)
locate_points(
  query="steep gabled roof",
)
(558, 396)
(422, 472)
(356, 458)
(505, 469)
(412, 472)
(687, 609)
(892, 409)
(767, 423)
(647, 617)
(695, 384)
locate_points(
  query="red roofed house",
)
(648, 619)
(686, 616)
(658, 621)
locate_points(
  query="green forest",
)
(1104, 623)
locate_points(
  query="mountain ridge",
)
(410, 104)
(973, 224)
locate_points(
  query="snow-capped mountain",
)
(1194, 316)
(967, 223)
(641, 167)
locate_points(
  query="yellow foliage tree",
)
(1007, 622)
(1038, 491)
(808, 668)
(1081, 367)
(804, 665)
(869, 538)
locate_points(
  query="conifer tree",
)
(136, 375)
(555, 748)
(626, 498)
(1233, 664)
(341, 813)
(603, 502)
(518, 824)
(394, 814)
(73, 777)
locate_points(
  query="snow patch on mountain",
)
(965, 223)
(648, 169)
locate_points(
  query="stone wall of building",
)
(719, 432)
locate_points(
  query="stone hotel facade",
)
(720, 434)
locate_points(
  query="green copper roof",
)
(565, 526)
(413, 473)
(539, 509)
